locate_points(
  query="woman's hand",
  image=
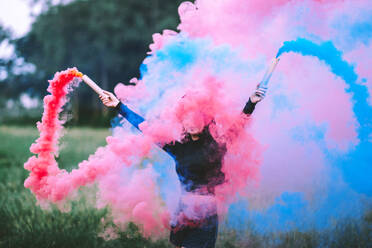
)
(109, 99)
(258, 95)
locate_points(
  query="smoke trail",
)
(139, 202)
(116, 168)
(354, 164)
(303, 154)
(360, 156)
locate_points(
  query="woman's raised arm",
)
(256, 97)
(110, 100)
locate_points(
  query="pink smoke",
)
(138, 200)
(253, 169)
(134, 196)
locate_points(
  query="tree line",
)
(105, 39)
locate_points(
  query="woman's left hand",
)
(257, 96)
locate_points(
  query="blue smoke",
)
(291, 210)
(356, 166)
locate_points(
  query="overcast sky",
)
(15, 14)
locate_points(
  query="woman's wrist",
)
(118, 105)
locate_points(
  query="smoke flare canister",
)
(93, 85)
(265, 81)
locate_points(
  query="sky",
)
(15, 14)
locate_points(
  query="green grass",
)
(24, 224)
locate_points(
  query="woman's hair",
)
(193, 107)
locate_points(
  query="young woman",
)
(198, 161)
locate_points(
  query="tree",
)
(105, 39)
(5, 64)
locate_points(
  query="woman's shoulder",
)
(172, 146)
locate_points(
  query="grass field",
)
(24, 224)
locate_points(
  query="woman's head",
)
(191, 114)
(193, 122)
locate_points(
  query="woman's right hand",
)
(109, 99)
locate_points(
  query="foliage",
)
(105, 39)
(5, 63)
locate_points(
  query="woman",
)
(198, 161)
